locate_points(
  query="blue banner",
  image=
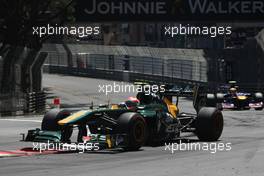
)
(170, 10)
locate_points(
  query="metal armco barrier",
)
(117, 75)
(36, 102)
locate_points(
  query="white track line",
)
(21, 120)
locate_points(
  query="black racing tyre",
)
(209, 124)
(245, 108)
(220, 97)
(134, 125)
(151, 137)
(211, 100)
(259, 109)
(50, 123)
(210, 96)
(219, 106)
(200, 104)
(51, 118)
(258, 96)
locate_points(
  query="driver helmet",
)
(233, 90)
(132, 103)
(134, 99)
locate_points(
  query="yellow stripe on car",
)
(242, 97)
(115, 106)
(108, 141)
(173, 109)
(72, 117)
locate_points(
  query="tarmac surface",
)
(243, 131)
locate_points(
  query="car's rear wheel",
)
(134, 126)
(211, 100)
(209, 124)
(259, 109)
(50, 123)
(201, 102)
(259, 98)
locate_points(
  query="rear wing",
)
(170, 89)
(179, 93)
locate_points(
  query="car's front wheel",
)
(134, 126)
(50, 123)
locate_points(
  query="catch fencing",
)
(181, 66)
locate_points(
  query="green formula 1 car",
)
(145, 120)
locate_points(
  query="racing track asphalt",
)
(244, 129)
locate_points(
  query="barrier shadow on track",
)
(113, 151)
